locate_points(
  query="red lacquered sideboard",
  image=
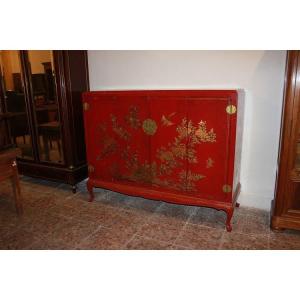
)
(178, 146)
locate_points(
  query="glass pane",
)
(15, 100)
(45, 104)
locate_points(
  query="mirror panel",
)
(45, 105)
(14, 100)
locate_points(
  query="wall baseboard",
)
(255, 200)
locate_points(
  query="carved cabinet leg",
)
(90, 187)
(229, 213)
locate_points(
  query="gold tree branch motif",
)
(171, 160)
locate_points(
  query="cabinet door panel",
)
(45, 105)
(119, 150)
(208, 148)
(168, 142)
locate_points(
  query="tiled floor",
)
(54, 218)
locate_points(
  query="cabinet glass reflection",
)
(13, 92)
(45, 105)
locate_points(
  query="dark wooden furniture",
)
(8, 170)
(50, 92)
(50, 132)
(5, 137)
(286, 206)
(182, 147)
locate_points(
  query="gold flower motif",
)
(149, 126)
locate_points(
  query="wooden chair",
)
(8, 170)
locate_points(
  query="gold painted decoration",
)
(226, 188)
(168, 169)
(209, 163)
(108, 143)
(149, 126)
(132, 118)
(119, 130)
(231, 109)
(188, 180)
(203, 135)
(166, 121)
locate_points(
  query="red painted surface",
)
(175, 146)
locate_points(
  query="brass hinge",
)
(86, 106)
(91, 168)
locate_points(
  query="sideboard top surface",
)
(186, 93)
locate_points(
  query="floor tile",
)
(106, 239)
(285, 240)
(208, 217)
(17, 240)
(142, 205)
(72, 232)
(199, 237)
(166, 230)
(55, 218)
(142, 243)
(255, 225)
(50, 245)
(238, 241)
(180, 213)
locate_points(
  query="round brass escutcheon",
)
(226, 188)
(231, 109)
(149, 126)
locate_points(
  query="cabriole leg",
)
(90, 187)
(229, 213)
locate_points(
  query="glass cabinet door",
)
(45, 105)
(14, 100)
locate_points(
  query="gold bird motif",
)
(166, 120)
(209, 163)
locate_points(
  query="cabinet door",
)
(14, 101)
(118, 149)
(209, 145)
(167, 129)
(45, 106)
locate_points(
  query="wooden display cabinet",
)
(41, 92)
(286, 206)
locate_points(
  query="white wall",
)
(259, 73)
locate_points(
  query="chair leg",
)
(16, 189)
